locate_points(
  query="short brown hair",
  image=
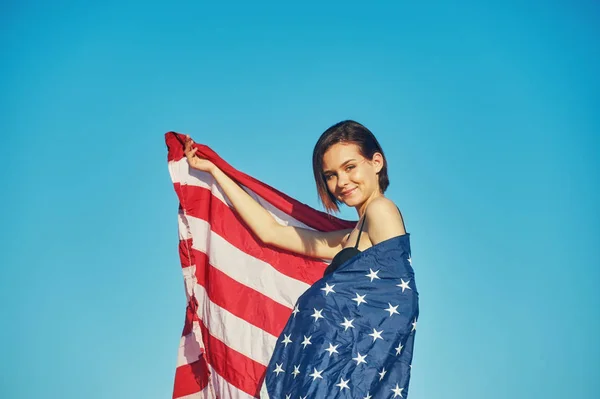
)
(345, 132)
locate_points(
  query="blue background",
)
(488, 115)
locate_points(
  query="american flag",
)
(351, 334)
(240, 293)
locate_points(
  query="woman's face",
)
(350, 177)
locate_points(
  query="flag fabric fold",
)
(240, 292)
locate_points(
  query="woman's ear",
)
(377, 161)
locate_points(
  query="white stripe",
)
(181, 173)
(243, 268)
(224, 389)
(203, 394)
(264, 394)
(184, 230)
(191, 347)
(233, 331)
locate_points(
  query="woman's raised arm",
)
(295, 239)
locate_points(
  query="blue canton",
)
(351, 334)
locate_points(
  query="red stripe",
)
(242, 301)
(311, 217)
(191, 315)
(223, 221)
(185, 253)
(175, 145)
(190, 378)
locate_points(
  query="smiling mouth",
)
(347, 193)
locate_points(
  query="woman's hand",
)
(194, 160)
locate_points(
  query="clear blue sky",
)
(488, 115)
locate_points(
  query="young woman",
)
(350, 168)
(351, 333)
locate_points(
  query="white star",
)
(306, 341)
(317, 315)
(278, 369)
(368, 396)
(403, 285)
(382, 373)
(343, 384)
(296, 370)
(332, 349)
(392, 309)
(398, 391)
(414, 324)
(328, 288)
(347, 323)
(296, 310)
(303, 397)
(376, 334)
(288, 396)
(410, 260)
(316, 374)
(360, 359)
(360, 299)
(399, 349)
(286, 340)
(372, 275)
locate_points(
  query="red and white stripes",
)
(240, 292)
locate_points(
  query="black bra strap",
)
(361, 230)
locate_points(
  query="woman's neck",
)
(361, 209)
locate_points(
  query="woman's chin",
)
(351, 202)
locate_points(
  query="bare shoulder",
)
(384, 220)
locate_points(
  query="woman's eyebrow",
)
(342, 165)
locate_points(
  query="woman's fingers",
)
(189, 151)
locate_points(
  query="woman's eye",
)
(328, 177)
(349, 167)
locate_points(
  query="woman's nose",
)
(342, 180)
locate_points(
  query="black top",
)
(345, 254)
